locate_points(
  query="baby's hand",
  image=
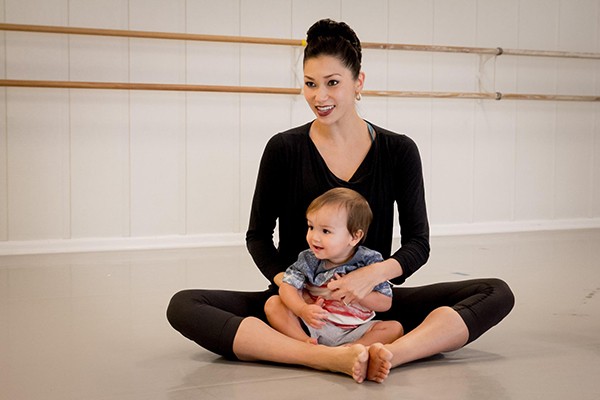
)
(314, 314)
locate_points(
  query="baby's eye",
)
(310, 228)
(326, 231)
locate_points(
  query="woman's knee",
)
(504, 297)
(174, 309)
(492, 305)
(178, 310)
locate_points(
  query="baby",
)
(338, 221)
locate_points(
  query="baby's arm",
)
(312, 314)
(376, 301)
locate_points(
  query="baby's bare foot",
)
(351, 360)
(380, 363)
(361, 362)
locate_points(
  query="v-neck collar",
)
(362, 169)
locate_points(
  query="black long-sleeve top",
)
(292, 173)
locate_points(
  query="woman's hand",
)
(353, 286)
(356, 285)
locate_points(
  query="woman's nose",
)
(322, 93)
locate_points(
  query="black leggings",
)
(211, 317)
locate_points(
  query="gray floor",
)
(92, 326)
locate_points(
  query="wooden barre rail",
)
(288, 42)
(174, 87)
(288, 91)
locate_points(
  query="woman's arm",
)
(376, 301)
(409, 192)
(264, 212)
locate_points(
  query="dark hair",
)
(327, 37)
(356, 206)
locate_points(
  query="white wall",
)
(89, 169)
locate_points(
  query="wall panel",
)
(38, 12)
(596, 164)
(213, 17)
(497, 26)
(213, 163)
(3, 138)
(106, 14)
(158, 163)
(535, 163)
(574, 146)
(368, 18)
(401, 119)
(265, 18)
(157, 15)
(98, 59)
(578, 23)
(261, 117)
(264, 65)
(454, 24)
(497, 23)
(494, 161)
(168, 67)
(452, 162)
(307, 12)
(3, 168)
(38, 164)
(538, 29)
(411, 21)
(50, 52)
(99, 124)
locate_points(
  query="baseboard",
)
(513, 226)
(237, 239)
(118, 244)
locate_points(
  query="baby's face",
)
(328, 235)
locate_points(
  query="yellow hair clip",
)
(304, 43)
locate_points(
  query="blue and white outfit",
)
(346, 323)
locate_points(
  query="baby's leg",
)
(382, 332)
(285, 321)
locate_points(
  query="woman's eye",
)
(333, 83)
(310, 84)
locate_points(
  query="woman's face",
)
(330, 89)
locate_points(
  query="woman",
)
(338, 149)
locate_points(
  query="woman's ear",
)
(360, 82)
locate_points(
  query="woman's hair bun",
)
(327, 28)
(327, 37)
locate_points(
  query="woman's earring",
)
(358, 96)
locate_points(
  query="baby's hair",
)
(327, 37)
(356, 206)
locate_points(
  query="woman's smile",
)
(324, 111)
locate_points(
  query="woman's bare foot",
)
(380, 363)
(351, 360)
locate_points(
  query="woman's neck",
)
(343, 131)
